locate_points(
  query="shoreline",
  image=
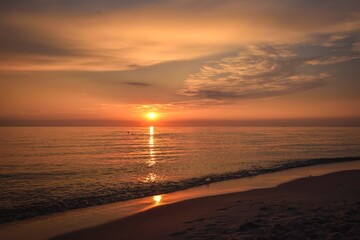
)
(321, 207)
(55, 224)
(30, 212)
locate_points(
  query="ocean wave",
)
(139, 190)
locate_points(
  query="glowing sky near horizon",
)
(187, 60)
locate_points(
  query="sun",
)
(151, 115)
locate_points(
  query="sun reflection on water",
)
(151, 177)
(152, 159)
(157, 199)
(151, 130)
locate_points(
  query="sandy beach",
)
(325, 207)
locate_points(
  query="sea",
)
(45, 170)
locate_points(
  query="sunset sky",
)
(187, 60)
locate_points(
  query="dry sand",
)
(325, 207)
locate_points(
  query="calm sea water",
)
(44, 170)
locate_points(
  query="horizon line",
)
(286, 122)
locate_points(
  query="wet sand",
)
(325, 207)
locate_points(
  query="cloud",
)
(333, 59)
(342, 47)
(125, 35)
(24, 48)
(72, 5)
(15, 40)
(137, 84)
(267, 70)
(256, 72)
(336, 40)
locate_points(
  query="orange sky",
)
(187, 60)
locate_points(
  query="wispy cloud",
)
(267, 70)
(343, 46)
(333, 59)
(336, 40)
(256, 72)
(137, 84)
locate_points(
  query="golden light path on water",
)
(152, 177)
(152, 159)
